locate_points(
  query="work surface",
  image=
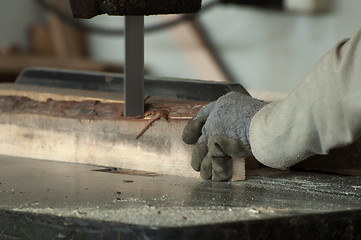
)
(42, 199)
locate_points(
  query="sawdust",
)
(164, 216)
(155, 115)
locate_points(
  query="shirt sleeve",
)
(322, 113)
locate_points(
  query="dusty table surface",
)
(61, 198)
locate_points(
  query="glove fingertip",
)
(199, 153)
(193, 130)
(189, 136)
(196, 167)
(222, 169)
(206, 169)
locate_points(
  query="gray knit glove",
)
(220, 130)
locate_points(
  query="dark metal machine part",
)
(272, 4)
(110, 82)
(49, 200)
(91, 8)
(134, 66)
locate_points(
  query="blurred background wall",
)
(265, 50)
(15, 17)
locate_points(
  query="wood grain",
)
(102, 140)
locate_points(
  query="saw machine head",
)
(91, 8)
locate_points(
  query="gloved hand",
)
(220, 130)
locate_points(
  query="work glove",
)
(220, 131)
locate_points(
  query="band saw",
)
(127, 172)
(143, 119)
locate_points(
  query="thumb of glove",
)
(193, 130)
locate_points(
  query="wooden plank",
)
(68, 41)
(100, 142)
(95, 132)
(40, 40)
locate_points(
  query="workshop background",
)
(264, 50)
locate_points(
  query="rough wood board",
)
(100, 141)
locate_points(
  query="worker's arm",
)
(322, 113)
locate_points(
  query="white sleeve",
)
(322, 113)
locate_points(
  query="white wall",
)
(272, 51)
(15, 17)
(267, 50)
